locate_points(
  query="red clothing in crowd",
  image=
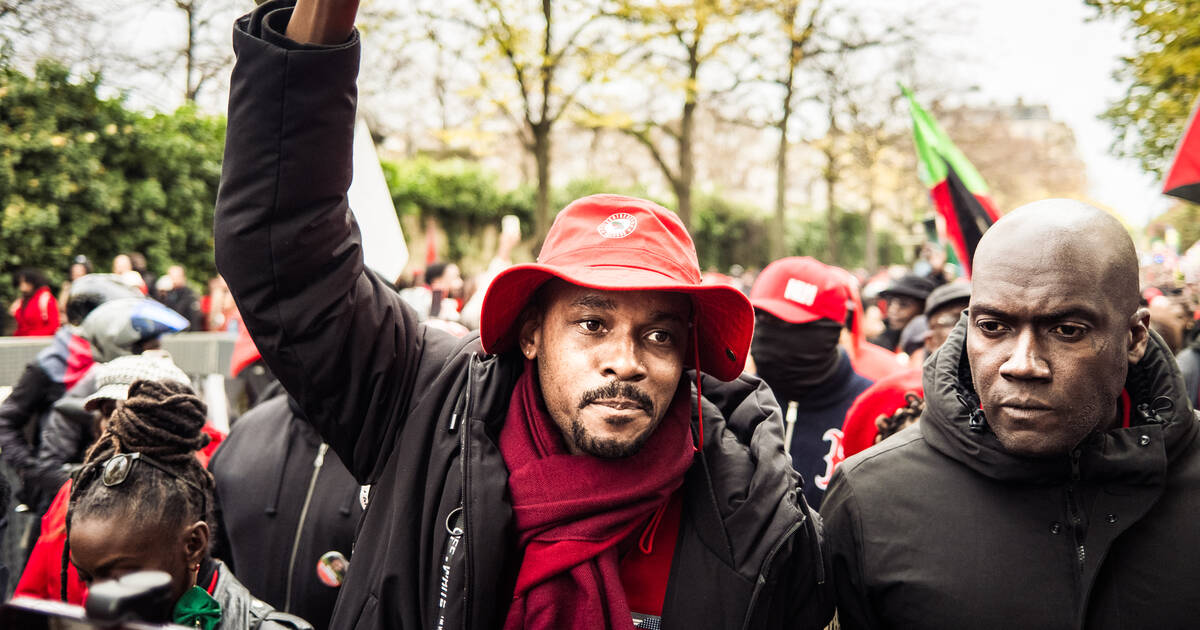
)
(36, 316)
(881, 399)
(42, 577)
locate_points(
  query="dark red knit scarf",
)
(571, 511)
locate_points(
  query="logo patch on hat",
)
(800, 292)
(619, 225)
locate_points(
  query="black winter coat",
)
(283, 501)
(939, 527)
(417, 412)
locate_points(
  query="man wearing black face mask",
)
(800, 306)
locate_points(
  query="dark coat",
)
(939, 527)
(67, 433)
(417, 412)
(22, 415)
(282, 503)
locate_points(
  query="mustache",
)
(618, 389)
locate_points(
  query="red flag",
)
(967, 215)
(1183, 180)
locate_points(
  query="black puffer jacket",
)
(417, 412)
(939, 527)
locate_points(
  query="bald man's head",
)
(1068, 234)
(1054, 324)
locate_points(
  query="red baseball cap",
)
(616, 243)
(800, 289)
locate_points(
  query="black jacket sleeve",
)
(60, 449)
(30, 398)
(843, 530)
(339, 340)
(66, 434)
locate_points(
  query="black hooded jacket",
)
(417, 413)
(282, 502)
(940, 527)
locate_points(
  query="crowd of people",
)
(605, 437)
(39, 308)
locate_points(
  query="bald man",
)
(1054, 478)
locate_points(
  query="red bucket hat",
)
(800, 289)
(616, 243)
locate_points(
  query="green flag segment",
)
(935, 151)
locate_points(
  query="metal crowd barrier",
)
(197, 353)
(204, 356)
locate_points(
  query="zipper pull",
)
(320, 460)
(1162, 406)
(976, 421)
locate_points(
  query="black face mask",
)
(792, 358)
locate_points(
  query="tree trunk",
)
(871, 258)
(831, 215)
(541, 156)
(687, 167)
(541, 129)
(831, 180)
(683, 198)
(777, 236)
(191, 87)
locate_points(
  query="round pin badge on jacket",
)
(331, 568)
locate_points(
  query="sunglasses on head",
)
(116, 470)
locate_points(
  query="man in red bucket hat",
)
(594, 458)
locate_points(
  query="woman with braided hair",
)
(142, 501)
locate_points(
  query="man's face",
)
(122, 264)
(450, 282)
(941, 322)
(1049, 350)
(1169, 318)
(177, 276)
(453, 279)
(609, 363)
(900, 310)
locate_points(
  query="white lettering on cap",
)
(618, 225)
(800, 292)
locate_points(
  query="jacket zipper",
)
(1075, 512)
(761, 581)
(312, 485)
(468, 575)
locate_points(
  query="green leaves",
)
(81, 174)
(1163, 76)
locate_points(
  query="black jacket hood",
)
(1161, 419)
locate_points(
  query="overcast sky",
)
(1044, 51)
(1049, 51)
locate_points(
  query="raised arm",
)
(322, 21)
(335, 335)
